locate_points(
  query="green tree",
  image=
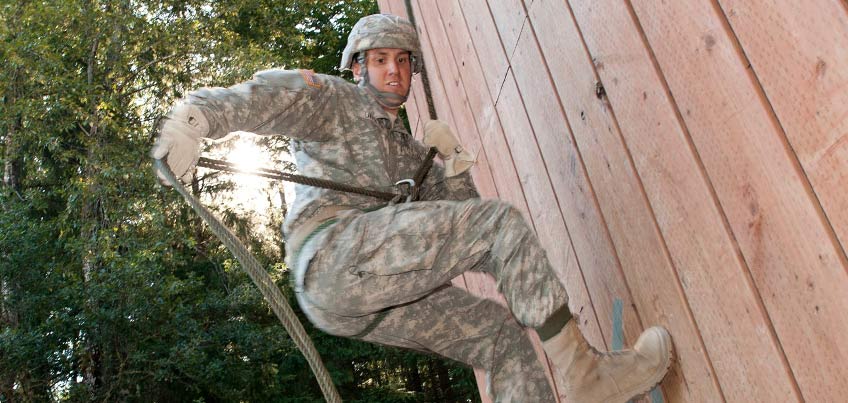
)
(110, 287)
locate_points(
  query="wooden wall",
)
(684, 163)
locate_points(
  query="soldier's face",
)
(389, 70)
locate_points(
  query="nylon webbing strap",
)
(263, 281)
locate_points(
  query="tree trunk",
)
(12, 162)
(434, 393)
(107, 37)
(444, 382)
(90, 360)
(11, 183)
(414, 383)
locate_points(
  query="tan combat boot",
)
(589, 376)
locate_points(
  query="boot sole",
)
(657, 377)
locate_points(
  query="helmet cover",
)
(382, 31)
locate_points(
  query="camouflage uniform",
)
(383, 274)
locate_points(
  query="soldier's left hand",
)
(457, 159)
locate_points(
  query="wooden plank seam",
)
(618, 342)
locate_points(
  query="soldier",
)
(381, 273)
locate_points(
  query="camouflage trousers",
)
(384, 276)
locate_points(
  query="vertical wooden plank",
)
(464, 125)
(786, 243)
(713, 276)
(482, 286)
(489, 50)
(594, 251)
(472, 67)
(492, 134)
(437, 89)
(537, 189)
(656, 291)
(492, 144)
(799, 51)
(500, 162)
(449, 69)
(490, 131)
(476, 98)
(510, 22)
(416, 108)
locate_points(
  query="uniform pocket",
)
(400, 239)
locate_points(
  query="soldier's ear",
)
(356, 68)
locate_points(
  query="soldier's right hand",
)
(179, 141)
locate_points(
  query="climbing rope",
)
(431, 107)
(425, 80)
(252, 266)
(304, 180)
(263, 281)
(413, 192)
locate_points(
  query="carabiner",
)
(411, 186)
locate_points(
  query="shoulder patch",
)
(310, 78)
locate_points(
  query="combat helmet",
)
(382, 31)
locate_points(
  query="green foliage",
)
(110, 287)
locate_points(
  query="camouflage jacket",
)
(338, 132)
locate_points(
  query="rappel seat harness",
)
(408, 191)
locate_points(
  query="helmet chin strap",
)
(386, 99)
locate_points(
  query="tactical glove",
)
(179, 141)
(457, 160)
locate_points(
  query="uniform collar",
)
(383, 119)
